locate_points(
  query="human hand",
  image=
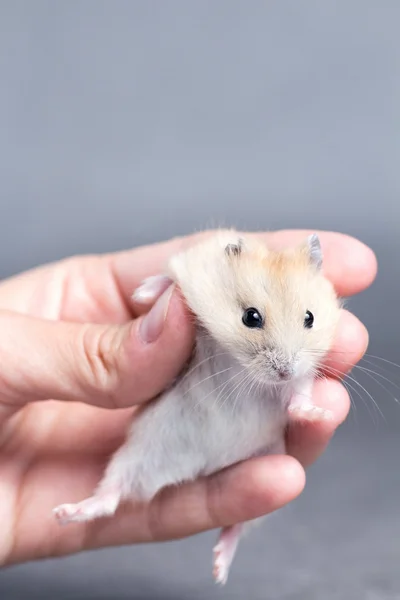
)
(70, 332)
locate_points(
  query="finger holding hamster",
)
(348, 348)
(110, 366)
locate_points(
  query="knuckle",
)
(98, 348)
(214, 492)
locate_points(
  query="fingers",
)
(348, 263)
(240, 493)
(307, 441)
(148, 292)
(108, 366)
(349, 346)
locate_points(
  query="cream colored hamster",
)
(265, 321)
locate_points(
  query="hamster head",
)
(273, 311)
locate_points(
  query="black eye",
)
(252, 318)
(308, 320)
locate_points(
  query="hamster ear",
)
(315, 251)
(234, 249)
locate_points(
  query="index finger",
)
(350, 265)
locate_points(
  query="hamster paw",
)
(224, 552)
(151, 289)
(310, 413)
(221, 566)
(87, 510)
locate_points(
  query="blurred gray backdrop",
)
(125, 122)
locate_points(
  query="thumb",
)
(105, 365)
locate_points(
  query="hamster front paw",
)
(309, 412)
(301, 407)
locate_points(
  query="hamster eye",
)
(252, 318)
(308, 320)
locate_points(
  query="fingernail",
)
(152, 324)
(151, 289)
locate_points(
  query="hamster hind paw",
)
(224, 552)
(221, 568)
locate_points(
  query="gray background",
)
(128, 122)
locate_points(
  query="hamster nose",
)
(283, 367)
(283, 373)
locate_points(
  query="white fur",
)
(213, 417)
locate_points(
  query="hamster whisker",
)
(351, 388)
(206, 379)
(245, 390)
(316, 354)
(366, 356)
(323, 376)
(221, 385)
(371, 372)
(377, 366)
(197, 365)
(227, 382)
(244, 386)
(238, 385)
(384, 369)
(383, 359)
(371, 362)
(254, 384)
(335, 373)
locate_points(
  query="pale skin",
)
(70, 332)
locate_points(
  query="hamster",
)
(265, 320)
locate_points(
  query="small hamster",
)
(264, 322)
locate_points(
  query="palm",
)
(54, 450)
